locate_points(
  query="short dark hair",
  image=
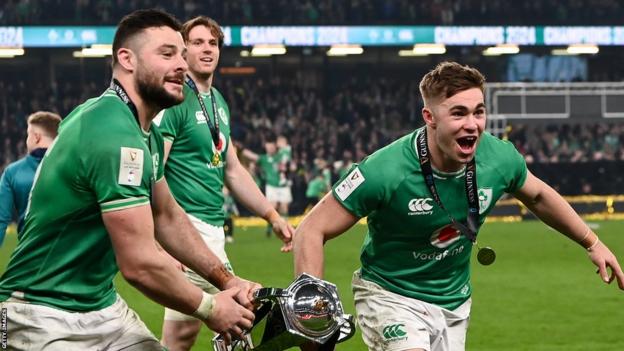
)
(48, 121)
(139, 20)
(448, 79)
(208, 22)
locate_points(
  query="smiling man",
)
(425, 196)
(200, 159)
(98, 205)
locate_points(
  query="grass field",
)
(540, 294)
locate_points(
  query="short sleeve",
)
(361, 190)
(160, 154)
(119, 173)
(515, 168)
(169, 121)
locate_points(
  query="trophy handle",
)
(347, 329)
(269, 293)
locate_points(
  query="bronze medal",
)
(216, 159)
(486, 256)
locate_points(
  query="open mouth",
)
(175, 80)
(206, 59)
(467, 143)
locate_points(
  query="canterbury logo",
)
(394, 331)
(420, 205)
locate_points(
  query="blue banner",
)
(78, 36)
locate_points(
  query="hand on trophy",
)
(246, 290)
(229, 318)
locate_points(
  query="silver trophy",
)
(308, 310)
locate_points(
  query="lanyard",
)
(121, 93)
(470, 231)
(213, 126)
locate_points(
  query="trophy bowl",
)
(315, 309)
(308, 310)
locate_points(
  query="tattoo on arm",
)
(220, 276)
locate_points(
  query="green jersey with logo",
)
(100, 162)
(269, 166)
(195, 181)
(411, 248)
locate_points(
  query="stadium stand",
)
(325, 12)
(336, 111)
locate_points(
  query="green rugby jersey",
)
(100, 162)
(284, 154)
(195, 182)
(269, 166)
(410, 247)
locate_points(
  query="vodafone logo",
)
(445, 236)
(420, 206)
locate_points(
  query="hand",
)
(602, 257)
(284, 231)
(246, 289)
(229, 318)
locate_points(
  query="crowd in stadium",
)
(343, 12)
(327, 130)
(554, 143)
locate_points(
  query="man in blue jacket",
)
(18, 177)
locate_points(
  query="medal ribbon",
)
(472, 219)
(214, 127)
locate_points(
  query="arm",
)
(245, 190)
(167, 150)
(250, 155)
(7, 206)
(553, 210)
(327, 220)
(179, 238)
(143, 266)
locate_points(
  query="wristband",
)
(271, 215)
(591, 247)
(589, 240)
(206, 307)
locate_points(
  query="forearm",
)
(308, 252)
(553, 210)
(180, 239)
(156, 278)
(245, 190)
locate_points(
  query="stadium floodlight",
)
(409, 53)
(263, 50)
(11, 52)
(429, 49)
(560, 52)
(96, 50)
(345, 49)
(582, 49)
(501, 49)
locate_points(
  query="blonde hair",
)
(448, 79)
(47, 121)
(208, 22)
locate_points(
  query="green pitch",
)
(540, 294)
